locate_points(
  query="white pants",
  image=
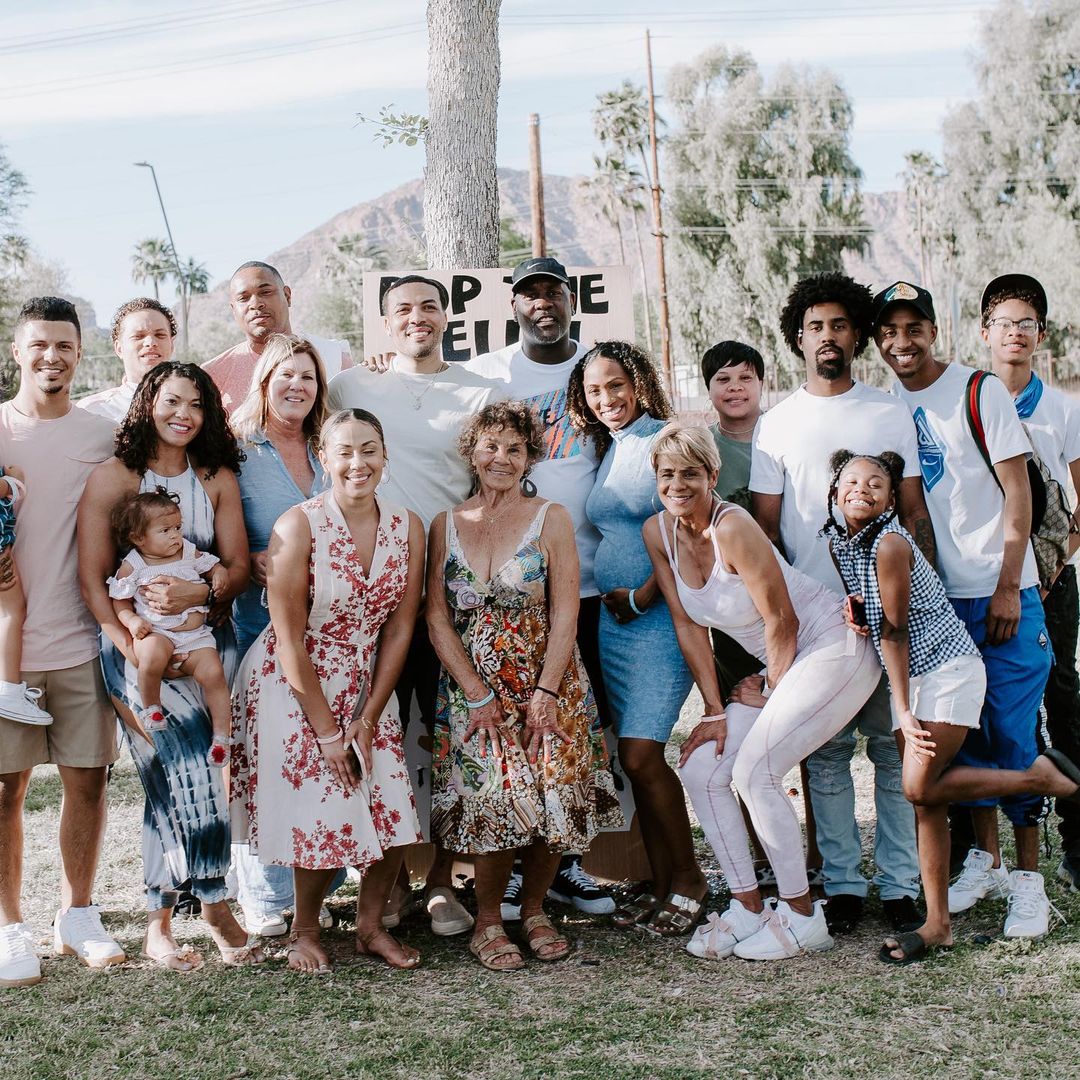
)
(822, 690)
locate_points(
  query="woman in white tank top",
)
(717, 569)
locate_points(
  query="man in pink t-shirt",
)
(57, 446)
(260, 302)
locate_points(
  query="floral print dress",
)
(481, 805)
(284, 799)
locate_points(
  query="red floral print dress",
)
(283, 798)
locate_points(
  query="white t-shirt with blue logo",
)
(965, 502)
(1054, 429)
(792, 446)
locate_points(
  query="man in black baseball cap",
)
(539, 267)
(903, 292)
(905, 328)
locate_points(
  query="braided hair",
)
(891, 464)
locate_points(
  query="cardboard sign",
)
(479, 315)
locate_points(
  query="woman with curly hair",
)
(615, 397)
(519, 756)
(175, 438)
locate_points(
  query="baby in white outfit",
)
(151, 524)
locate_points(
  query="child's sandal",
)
(220, 751)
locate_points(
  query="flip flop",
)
(182, 954)
(911, 945)
(1067, 766)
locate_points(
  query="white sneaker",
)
(978, 880)
(20, 702)
(1029, 909)
(78, 932)
(717, 937)
(19, 963)
(787, 933)
(268, 925)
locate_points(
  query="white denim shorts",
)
(950, 694)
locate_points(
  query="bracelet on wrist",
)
(544, 690)
(488, 697)
(708, 719)
(633, 606)
(325, 740)
(766, 689)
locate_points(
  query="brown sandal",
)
(635, 911)
(485, 950)
(294, 946)
(678, 915)
(548, 945)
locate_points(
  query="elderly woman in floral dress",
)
(519, 760)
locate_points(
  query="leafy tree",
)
(152, 261)
(514, 245)
(1006, 195)
(13, 252)
(763, 190)
(339, 309)
(196, 277)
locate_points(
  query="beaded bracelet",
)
(545, 690)
(489, 696)
(633, 607)
(323, 740)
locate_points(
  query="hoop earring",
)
(528, 488)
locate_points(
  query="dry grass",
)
(623, 1006)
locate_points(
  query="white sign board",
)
(479, 315)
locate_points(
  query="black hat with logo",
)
(903, 292)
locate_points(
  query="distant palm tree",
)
(153, 261)
(196, 277)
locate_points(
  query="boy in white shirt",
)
(981, 521)
(1014, 325)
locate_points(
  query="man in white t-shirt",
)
(421, 402)
(260, 302)
(826, 323)
(1014, 325)
(982, 518)
(143, 336)
(536, 370)
(57, 447)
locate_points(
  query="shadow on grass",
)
(46, 790)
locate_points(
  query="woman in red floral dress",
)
(319, 778)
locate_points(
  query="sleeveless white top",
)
(725, 603)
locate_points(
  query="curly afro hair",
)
(213, 448)
(648, 389)
(856, 300)
(513, 416)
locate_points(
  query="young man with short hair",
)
(1014, 312)
(143, 336)
(733, 374)
(826, 323)
(982, 519)
(57, 447)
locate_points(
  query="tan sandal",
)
(485, 950)
(678, 915)
(247, 955)
(550, 944)
(182, 959)
(635, 911)
(410, 956)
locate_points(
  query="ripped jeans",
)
(832, 795)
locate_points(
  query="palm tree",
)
(153, 261)
(196, 277)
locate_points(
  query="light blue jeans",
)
(265, 891)
(832, 795)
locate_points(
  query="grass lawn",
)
(624, 1005)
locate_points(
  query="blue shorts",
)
(1011, 733)
(7, 519)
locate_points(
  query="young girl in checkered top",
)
(935, 673)
(150, 524)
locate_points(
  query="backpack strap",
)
(973, 412)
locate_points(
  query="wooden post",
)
(536, 187)
(658, 228)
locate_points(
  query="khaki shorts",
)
(950, 694)
(83, 732)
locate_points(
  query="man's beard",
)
(831, 370)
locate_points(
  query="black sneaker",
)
(843, 912)
(1069, 872)
(573, 886)
(511, 901)
(902, 914)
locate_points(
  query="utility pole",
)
(658, 229)
(536, 188)
(181, 280)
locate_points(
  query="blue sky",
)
(247, 109)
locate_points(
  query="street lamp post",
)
(181, 280)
